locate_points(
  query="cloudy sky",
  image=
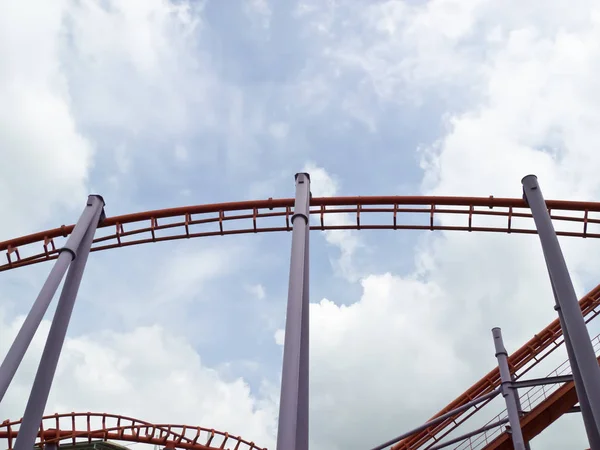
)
(156, 104)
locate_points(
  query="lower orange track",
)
(81, 427)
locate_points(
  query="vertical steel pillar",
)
(303, 395)
(586, 412)
(58, 330)
(583, 359)
(25, 335)
(292, 433)
(508, 392)
(519, 409)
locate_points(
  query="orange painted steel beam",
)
(521, 361)
(273, 215)
(81, 427)
(541, 417)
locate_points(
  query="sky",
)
(155, 104)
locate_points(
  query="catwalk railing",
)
(481, 214)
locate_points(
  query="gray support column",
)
(58, 330)
(25, 335)
(508, 392)
(586, 412)
(519, 409)
(292, 433)
(303, 393)
(583, 358)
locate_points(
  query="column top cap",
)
(528, 176)
(302, 173)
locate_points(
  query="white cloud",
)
(257, 290)
(279, 130)
(45, 160)
(138, 56)
(259, 11)
(181, 153)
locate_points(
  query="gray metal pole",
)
(303, 391)
(58, 330)
(586, 412)
(292, 408)
(584, 358)
(519, 408)
(508, 392)
(15, 354)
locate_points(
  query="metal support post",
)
(559, 379)
(582, 356)
(25, 335)
(56, 336)
(589, 424)
(508, 392)
(292, 433)
(517, 399)
(303, 392)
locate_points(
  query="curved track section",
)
(80, 427)
(484, 214)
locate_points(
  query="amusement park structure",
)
(528, 412)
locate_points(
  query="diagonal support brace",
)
(58, 329)
(12, 360)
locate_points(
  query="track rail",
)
(482, 214)
(85, 427)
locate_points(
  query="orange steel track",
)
(483, 214)
(78, 427)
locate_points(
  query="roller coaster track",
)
(482, 214)
(77, 427)
(470, 214)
